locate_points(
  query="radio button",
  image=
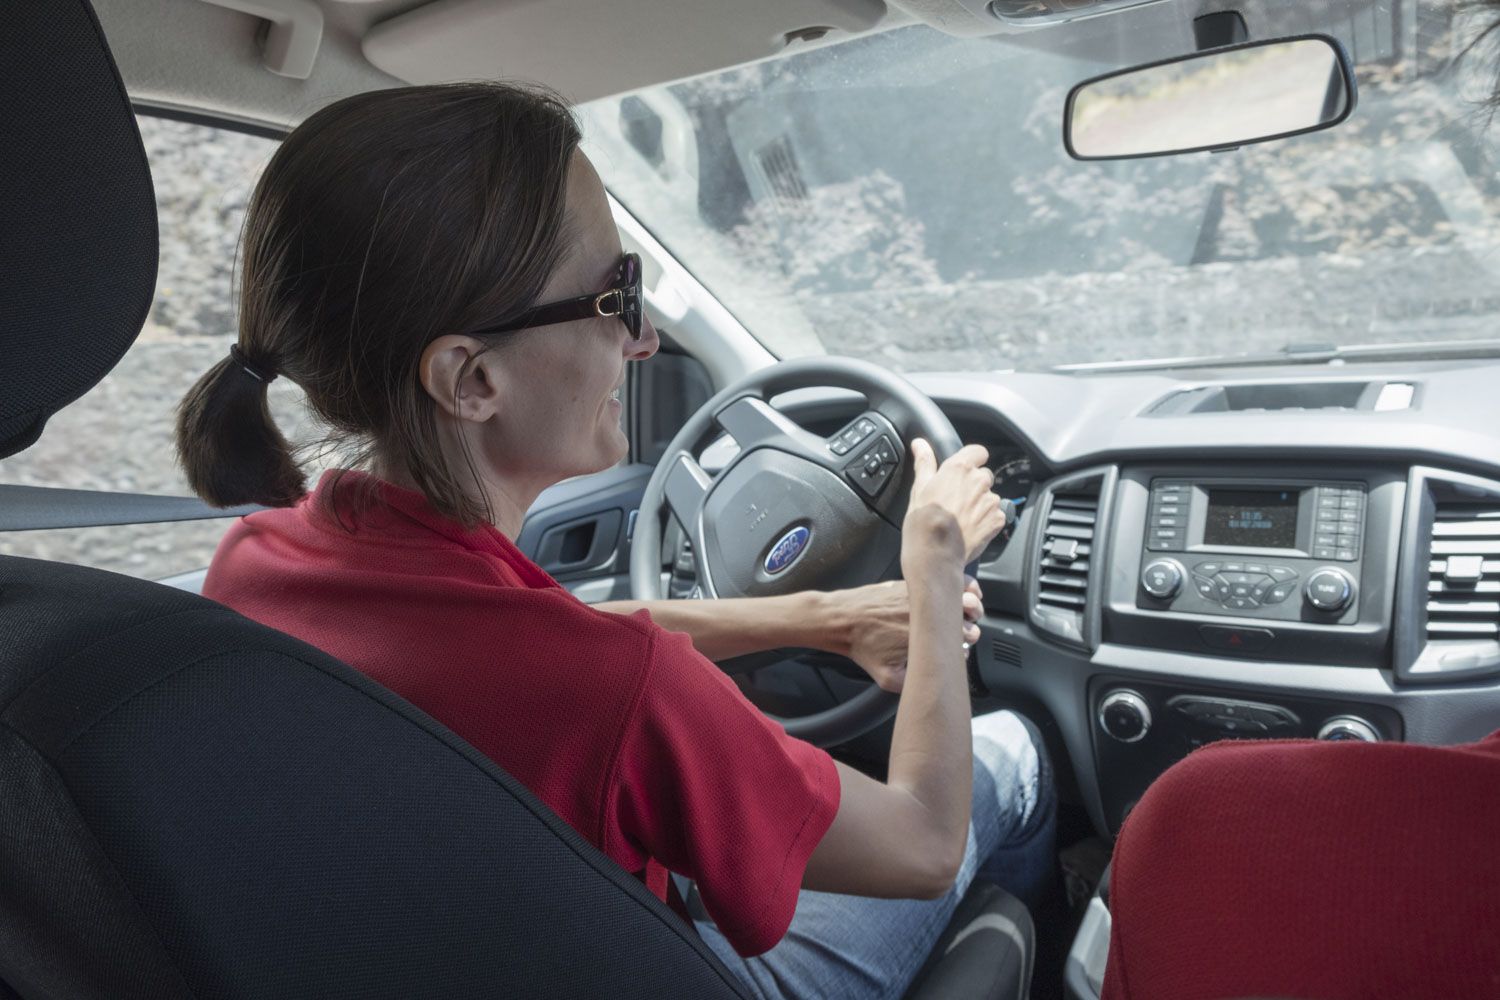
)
(1255, 568)
(1206, 587)
(1345, 555)
(1241, 603)
(1234, 567)
(1324, 540)
(1281, 574)
(1207, 568)
(1324, 552)
(1330, 590)
(1280, 592)
(1162, 579)
(1325, 502)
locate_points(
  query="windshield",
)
(906, 198)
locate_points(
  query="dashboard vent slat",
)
(1469, 546)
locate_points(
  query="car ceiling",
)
(212, 55)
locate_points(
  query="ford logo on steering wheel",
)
(786, 550)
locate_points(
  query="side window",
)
(118, 437)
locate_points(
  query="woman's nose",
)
(640, 350)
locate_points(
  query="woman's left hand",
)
(880, 616)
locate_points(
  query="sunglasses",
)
(622, 299)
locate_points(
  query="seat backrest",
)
(192, 804)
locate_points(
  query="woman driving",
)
(438, 269)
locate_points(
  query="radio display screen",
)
(1262, 519)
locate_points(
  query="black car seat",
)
(194, 805)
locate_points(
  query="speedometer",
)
(1013, 479)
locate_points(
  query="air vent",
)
(1463, 574)
(1067, 550)
(1005, 652)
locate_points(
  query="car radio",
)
(1288, 551)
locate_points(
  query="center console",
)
(1260, 564)
(1275, 551)
(1293, 565)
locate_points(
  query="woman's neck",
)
(506, 502)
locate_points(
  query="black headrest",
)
(77, 215)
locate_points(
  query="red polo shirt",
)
(1336, 871)
(634, 738)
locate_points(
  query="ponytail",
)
(228, 443)
(383, 221)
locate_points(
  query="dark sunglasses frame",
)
(622, 299)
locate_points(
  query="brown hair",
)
(382, 222)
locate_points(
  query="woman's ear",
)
(463, 387)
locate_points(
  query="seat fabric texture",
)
(196, 805)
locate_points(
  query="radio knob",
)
(1162, 578)
(1348, 727)
(1329, 590)
(1124, 715)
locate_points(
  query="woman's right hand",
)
(953, 512)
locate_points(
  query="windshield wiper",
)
(1303, 354)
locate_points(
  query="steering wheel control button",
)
(1232, 639)
(872, 469)
(1344, 728)
(850, 437)
(1125, 716)
(1162, 579)
(1329, 590)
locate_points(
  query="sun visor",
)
(586, 49)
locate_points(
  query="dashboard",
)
(1299, 557)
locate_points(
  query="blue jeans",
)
(854, 946)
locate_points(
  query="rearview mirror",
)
(1219, 99)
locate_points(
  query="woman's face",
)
(557, 414)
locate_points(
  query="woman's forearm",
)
(735, 626)
(930, 745)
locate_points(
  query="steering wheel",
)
(794, 511)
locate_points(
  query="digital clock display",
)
(1262, 519)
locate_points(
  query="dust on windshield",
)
(906, 198)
